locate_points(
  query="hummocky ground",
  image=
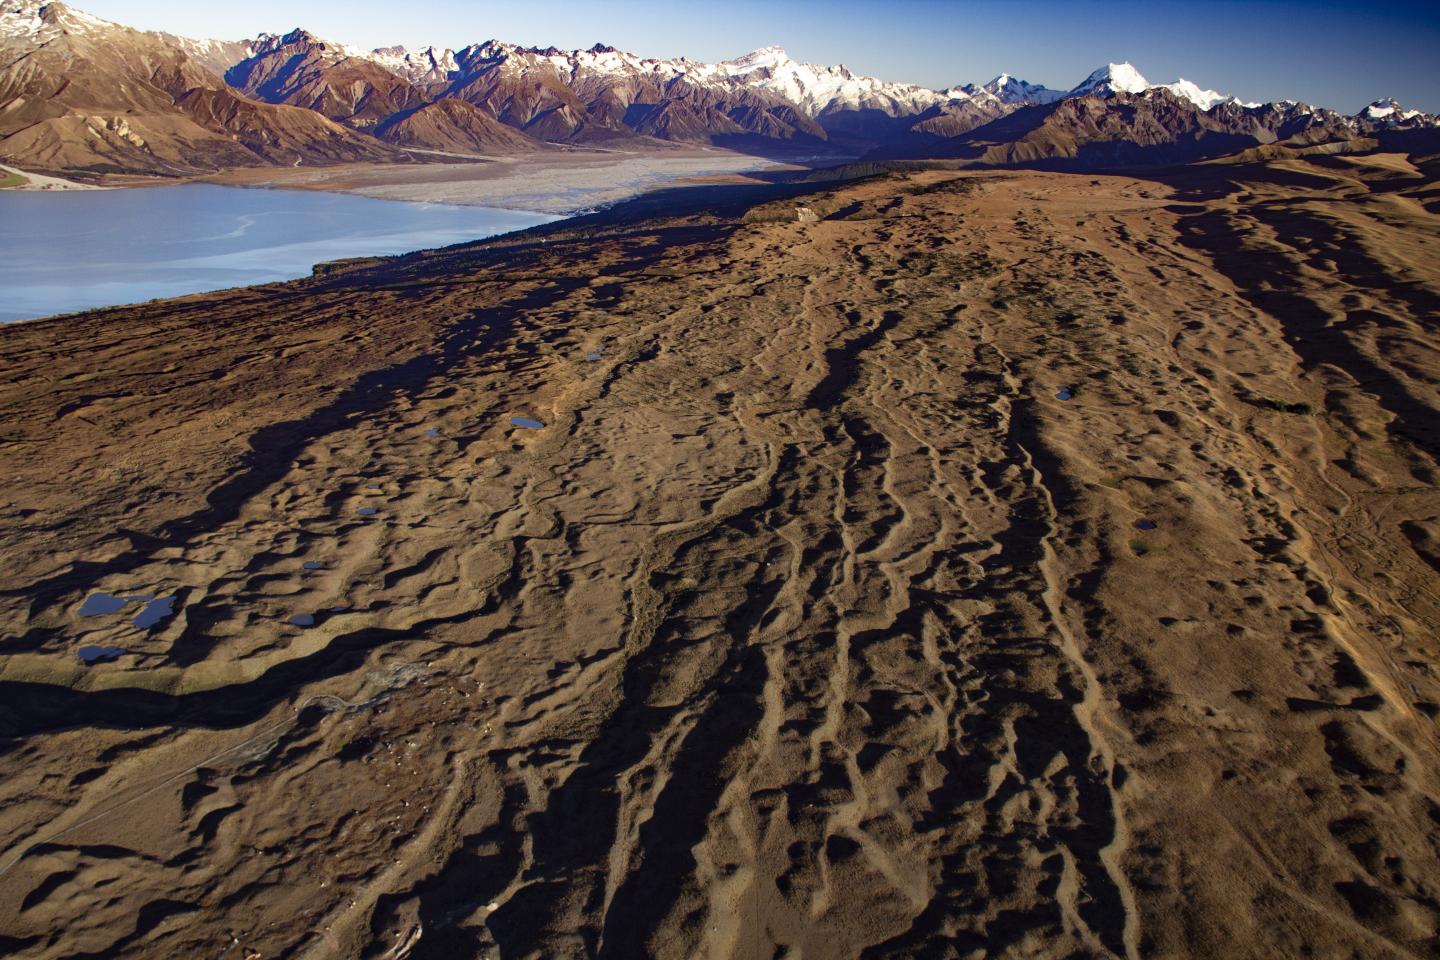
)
(941, 565)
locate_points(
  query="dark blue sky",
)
(1334, 54)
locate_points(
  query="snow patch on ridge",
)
(418, 66)
(821, 89)
(1014, 90)
(20, 20)
(42, 22)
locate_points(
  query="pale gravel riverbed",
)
(563, 182)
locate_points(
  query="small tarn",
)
(154, 611)
(99, 604)
(92, 655)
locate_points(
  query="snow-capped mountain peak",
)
(1014, 90)
(1112, 78)
(1389, 110)
(1204, 99)
(1116, 78)
(814, 89)
(770, 56)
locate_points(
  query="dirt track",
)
(813, 623)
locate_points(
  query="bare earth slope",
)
(815, 621)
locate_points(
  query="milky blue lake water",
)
(62, 252)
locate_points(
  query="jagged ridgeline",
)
(85, 97)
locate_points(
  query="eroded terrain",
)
(1006, 564)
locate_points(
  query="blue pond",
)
(154, 612)
(527, 423)
(155, 609)
(98, 604)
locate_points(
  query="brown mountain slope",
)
(217, 56)
(283, 134)
(990, 564)
(455, 126)
(956, 119)
(304, 71)
(678, 120)
(85, 96)
(538, 102)
(165, 145)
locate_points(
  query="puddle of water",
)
(527, 423)
(154, 612)
(593, 356)
(93, 655)
(432, 432)
(1145, 525)
(1064, 394)
(314, 565)
(102, 603)
(367, 511)
(338, 609)
(303, 620)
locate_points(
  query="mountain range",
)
(84, 97)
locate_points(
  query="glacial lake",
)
(63, 252)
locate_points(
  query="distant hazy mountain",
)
(80, 95)
(1124, 78)
(1154, 125)
(1390, 113)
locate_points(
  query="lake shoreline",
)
(563, 181)
(553, 186)
(103, 249)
